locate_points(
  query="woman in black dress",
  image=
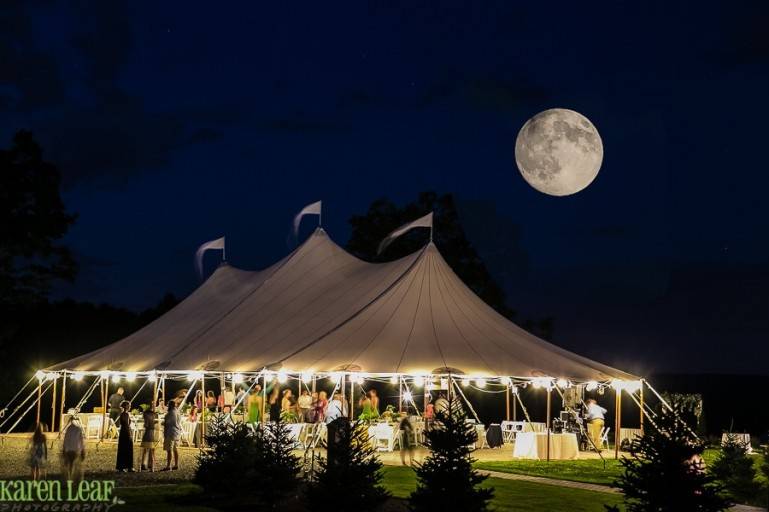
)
(125, 446)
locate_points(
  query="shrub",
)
(351, 479)
(243, 467)
(446, 479)
(666, 473)
(734, 469)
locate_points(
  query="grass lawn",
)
(159, 498)
(585, 470)
(515, 495)
(509, 495)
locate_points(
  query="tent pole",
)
(264, 396)
(104, 389)
(313, 384)
(549, 391)
(617, 420)
(352, 398)
(63, 398)
(507, 402)
(400, 395)
(39, 398)
(515, 410)
(203, 410)
(642, 405)
(53, 405)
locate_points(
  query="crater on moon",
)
(559, 152)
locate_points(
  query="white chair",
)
(510, 429)
(93, 427)
(188, 432)
(385, 437)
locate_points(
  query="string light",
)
(40, 374)
(562, 383)
(307, 377)
(130, 376)
(116, 377)
(335, 376)
(465, 382)
(77, 376)
(407, 396)
(282, 377)
(153, 376)
(237, 378)
(591, 385)
(104, 374)
(481, 383)
(393, 379)
(506, 381)
(191, 376)
(419, 381)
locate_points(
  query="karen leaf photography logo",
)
(54, 495)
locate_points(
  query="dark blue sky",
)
(174, 123)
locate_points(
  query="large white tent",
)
(322, 310)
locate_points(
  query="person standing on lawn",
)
(148, 439)
(125, 446)
(38, 452)
(595, 420)
(172, 432)
(73, 451)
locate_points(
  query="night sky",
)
(175, 123)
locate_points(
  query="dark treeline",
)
(38, 335)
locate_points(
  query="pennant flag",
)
(213, 244)
(422, 222)
(310, 209)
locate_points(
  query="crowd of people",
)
(308, 407)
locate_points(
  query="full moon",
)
(559, 152)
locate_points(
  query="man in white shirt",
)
(595, 419)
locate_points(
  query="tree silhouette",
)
(666, 472)
(32, 220)
(734, 469)
(446, 479)
(248, 469)
(352, 476)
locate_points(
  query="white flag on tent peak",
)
(421, 222)
(213, 244)
(310, 209)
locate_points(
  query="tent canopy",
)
(321, 309)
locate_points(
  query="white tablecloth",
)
(533, 445)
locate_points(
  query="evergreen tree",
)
(734, 469)
(247, 468)
(446, 479)
(352, 477)
(666, 473)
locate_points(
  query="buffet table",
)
(533, 445)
